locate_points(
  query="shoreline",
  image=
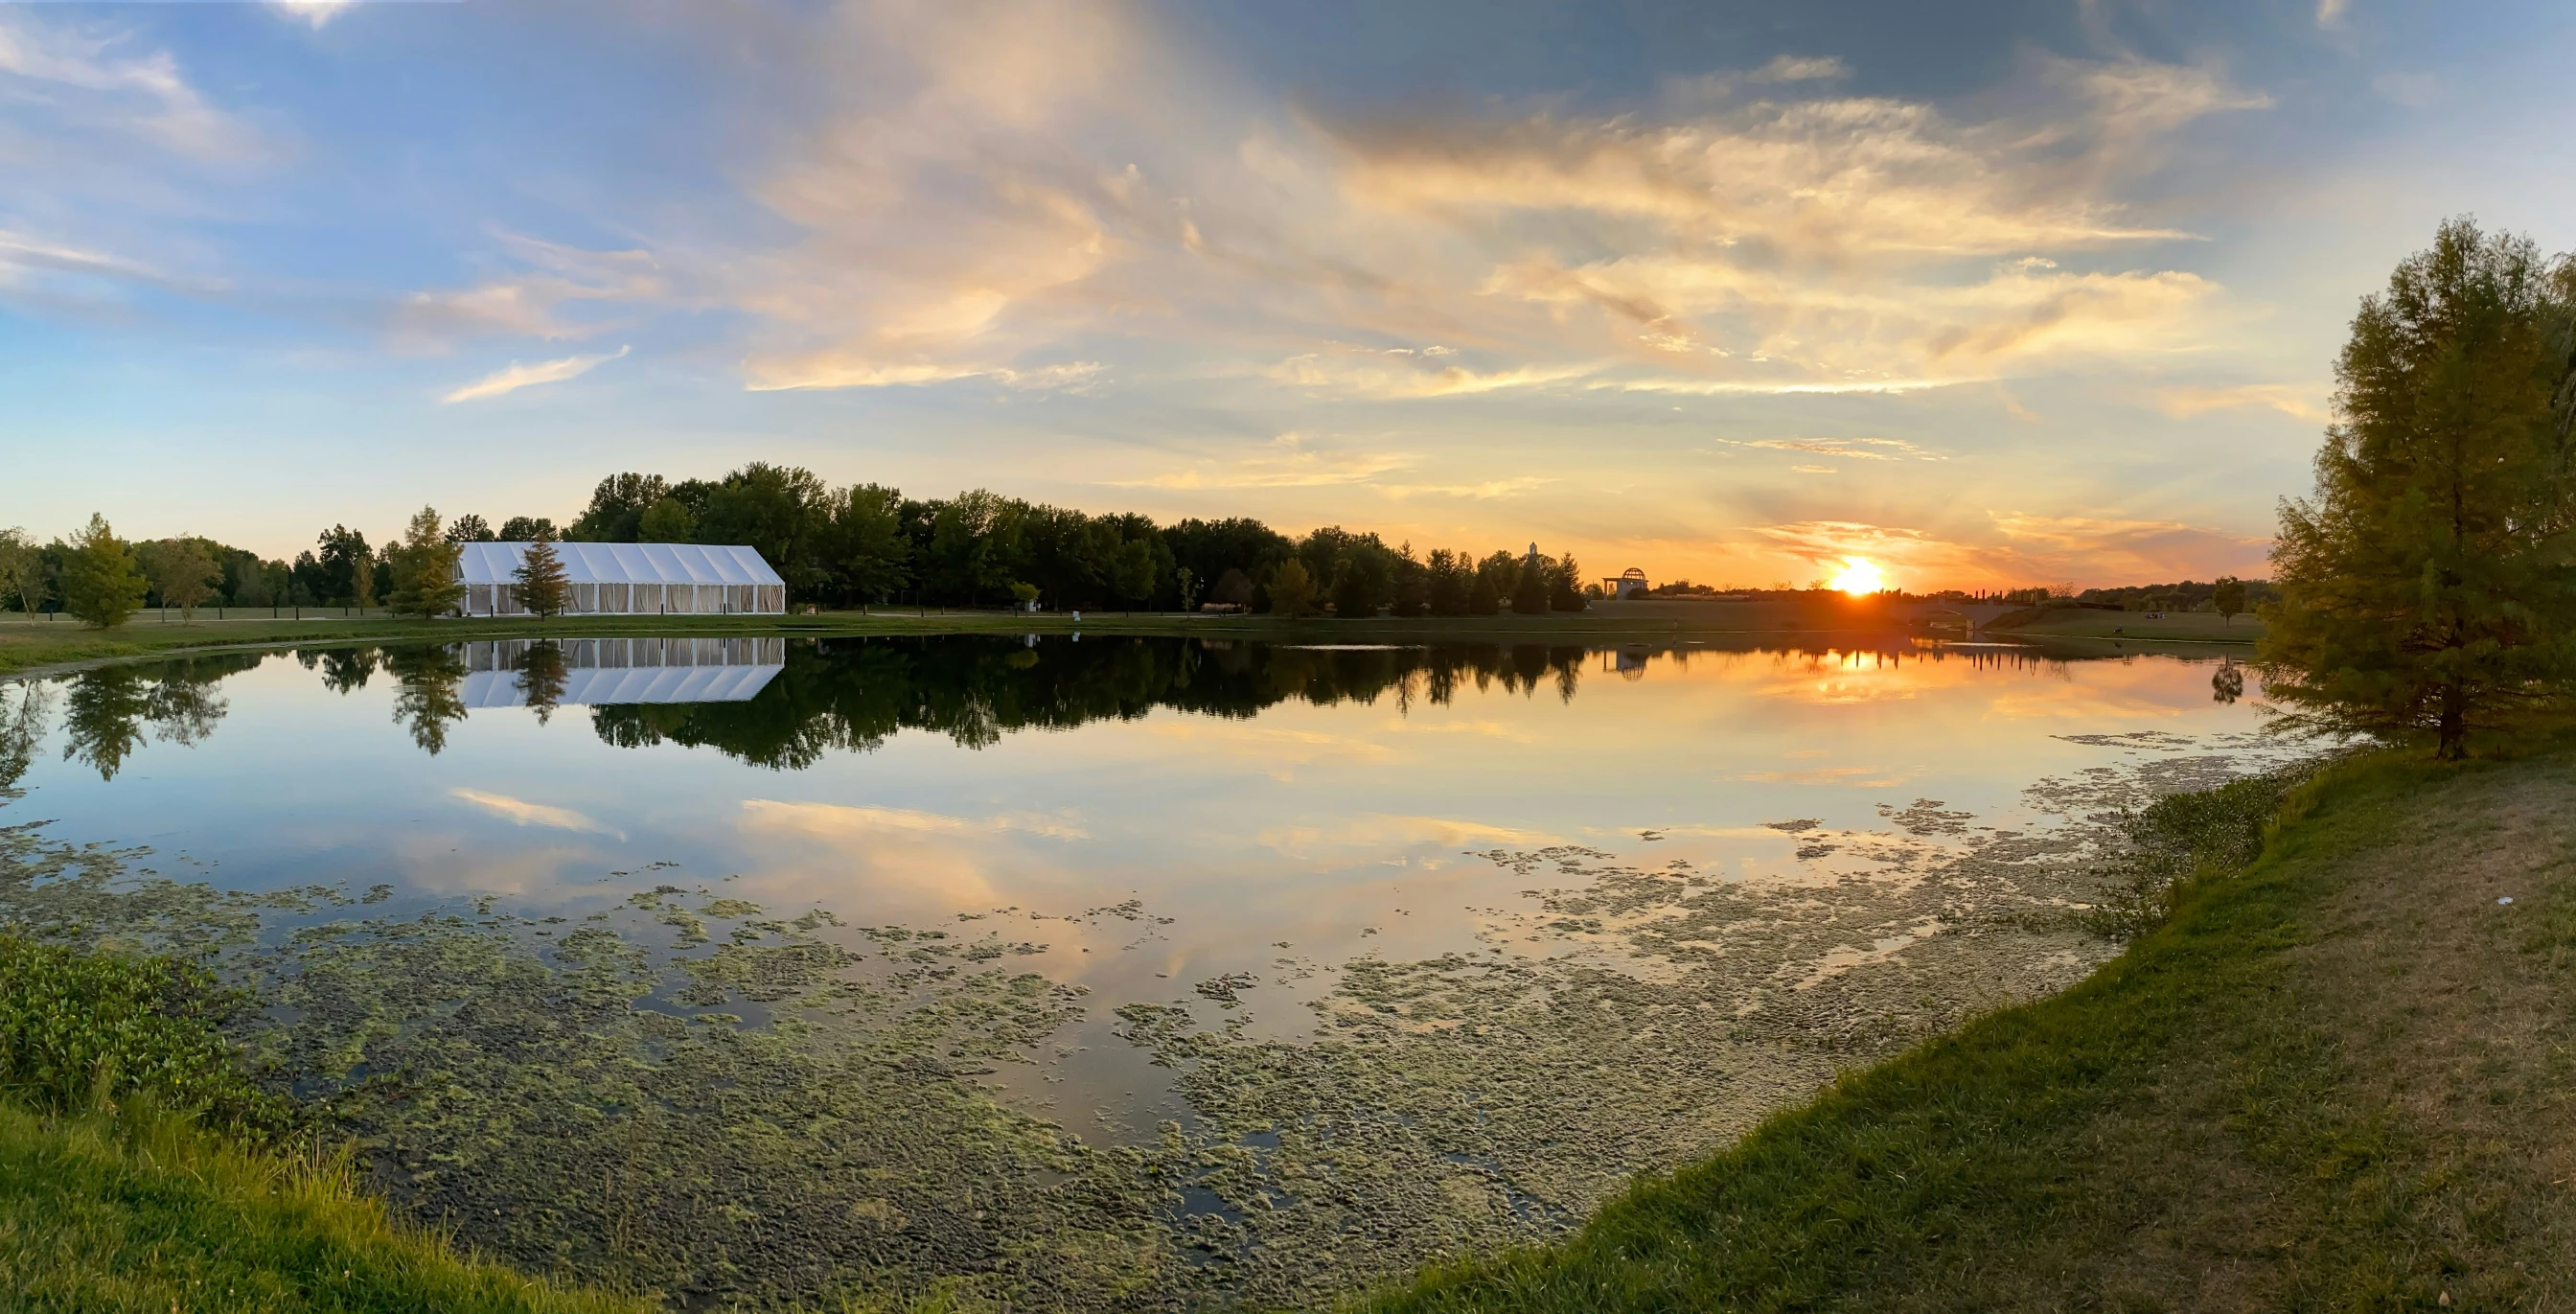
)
(29, 651)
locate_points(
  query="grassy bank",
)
(114, 1200)
(142, 1214)
(2336, 1080)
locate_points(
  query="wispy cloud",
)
(1858, 449)
(90, 78)
(1795, 68)
(852, 822)
(518, 376)
(525, 813)
(1283, 462)
(2182, 402)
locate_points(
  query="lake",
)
(1132, 973)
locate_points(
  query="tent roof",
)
(623, 563)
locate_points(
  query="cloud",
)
(1793, 68)
(847, 822)
(2330, 14)
(532, 300)
(1813, 469)
(1859, 449)
(85, 80)
(519, 376)
(1000, 181)
(1315, 372)
(315, 12)
(1283, 462)
(2016, 548)
(525, 813)
(2183, 402)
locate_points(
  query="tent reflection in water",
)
(603, 672)
(629, 579)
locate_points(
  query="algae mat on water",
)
(737, 1108)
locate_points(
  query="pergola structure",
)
(629, 579)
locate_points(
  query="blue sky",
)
(1993, 294)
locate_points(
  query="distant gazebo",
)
(1628, 583)
(628, 579)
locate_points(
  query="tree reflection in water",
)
(22, 727)
(105, 715)
(850, 695)
(541, 678)
(430, 698)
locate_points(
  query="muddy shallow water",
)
(1138, 973)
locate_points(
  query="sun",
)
(1859, 578)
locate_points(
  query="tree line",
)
(834, 546)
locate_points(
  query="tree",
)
(543, 587)
(1292, 590)
(183, 574)
(1133, 571)
(1451, 577)
(666, 521)
(617, 507)
(1233, 588)
(2427, 585)
(471, 528)
(1483, 599)
(527, 529)
(101, 584)
(2228, 600)
(871, 556)
(20, 568)
(1366, 585)
(345, 572)
(1529, 592)
(1187, 584)
(424, 569)
(1565, 585)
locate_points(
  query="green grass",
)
(2336, 1080)
(114, 1198)
(140, 1213)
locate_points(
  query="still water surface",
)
(1415, 922)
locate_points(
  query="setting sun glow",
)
(1859, 577)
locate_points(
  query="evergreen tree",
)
(1529, 592)
(2427, 585)
(101, 583)
(543, 587)
(1483, 599)
(1565, 585)
(424, 569)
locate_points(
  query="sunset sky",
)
(1994, 294)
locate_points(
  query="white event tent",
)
(647, 579)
